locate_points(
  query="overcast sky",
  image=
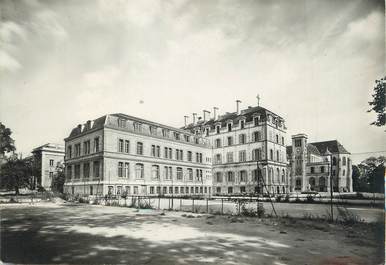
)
(312, 62)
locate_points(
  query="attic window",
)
(137, 127)
(256, 120)
(121, 123)
(217, 129)
(242, 124)
(229, 127)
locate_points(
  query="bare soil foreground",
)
(78, 234)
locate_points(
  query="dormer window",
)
(242, 124)
(165, 132)
(137, 127)
(121, 123)
(218, 129)
(187, 138)
(207, 131)
(256, 120)
(176, 135)
(229, 125)
(153, 130)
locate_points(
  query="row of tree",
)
(369, 175)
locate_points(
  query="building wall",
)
(114, 180)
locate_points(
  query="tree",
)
(356, 180)
(58, 180)
(6, 142)
(378, 103)
(15, 174)
(372, 172)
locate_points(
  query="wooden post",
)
(180, 204)
(207, 206)
(222, 206)
(238, 200)
(159, 202)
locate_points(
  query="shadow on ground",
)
(97, 234)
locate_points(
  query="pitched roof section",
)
(333, 146)
(312, 149)
(89, 125)
(246, 114)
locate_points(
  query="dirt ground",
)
(78, 234)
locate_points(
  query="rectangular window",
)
(127, 146)
(298, 143)
(190, 174)
(256, 121)
(322, 169)
(230, 157)
(218, 129)
(218, 143)
(242, 156)
(69, 151)
(190, 156)
(139, 148)
(217, 159)
(218, 177)
(77, 150)
(153, 150)
(230, 140)
(137, 127)
(86, 147)
(69, 172)
(229, 125)
(165, 133)
(120, 145)
(158, 151)
(119, 190)
(127, 170)
(51, 175)
(312, 170)
(96, 144)
(86, 170)
(120, 169)
(153, 130)
(151, 190)
(230, 176)
(77, 171)
(166, 152)
(242, 139)
(170, 153)
(135, 189)
(243, 176)
(96, 169)
(139, 171)
(51, 162)
(179, 173)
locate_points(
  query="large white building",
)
(48, 159)
(118, 153)
(249, 152)
(313, 165)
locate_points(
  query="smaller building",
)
(313, 165)
(47, 159)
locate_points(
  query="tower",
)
(299, 158)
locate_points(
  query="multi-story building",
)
(118, 154)
(48, 159)
(249, 152)
(311, 165)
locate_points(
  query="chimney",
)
(186, 119)
(194, 118)
(204, 112)
(238, 106)
(215, 113)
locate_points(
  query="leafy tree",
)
(356, 174)
(378, 103)
(6, 142)
(372, 172)
(16, 173)
(57, 183)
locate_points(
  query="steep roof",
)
(312, 149)
(246, 114)
(333, 146)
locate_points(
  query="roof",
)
(312, 149)
(49, 146)
(333, 146)
(246, 114)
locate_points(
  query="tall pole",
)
(331, 190)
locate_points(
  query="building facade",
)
(249, 152)
(313, 165)
(118, 154)
(48, 159)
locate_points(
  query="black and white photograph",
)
(178, 132)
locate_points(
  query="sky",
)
(312, 62)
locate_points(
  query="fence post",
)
(180, 204)
(238, 200)
(222, 206)
(207, 206)
(159, 202)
